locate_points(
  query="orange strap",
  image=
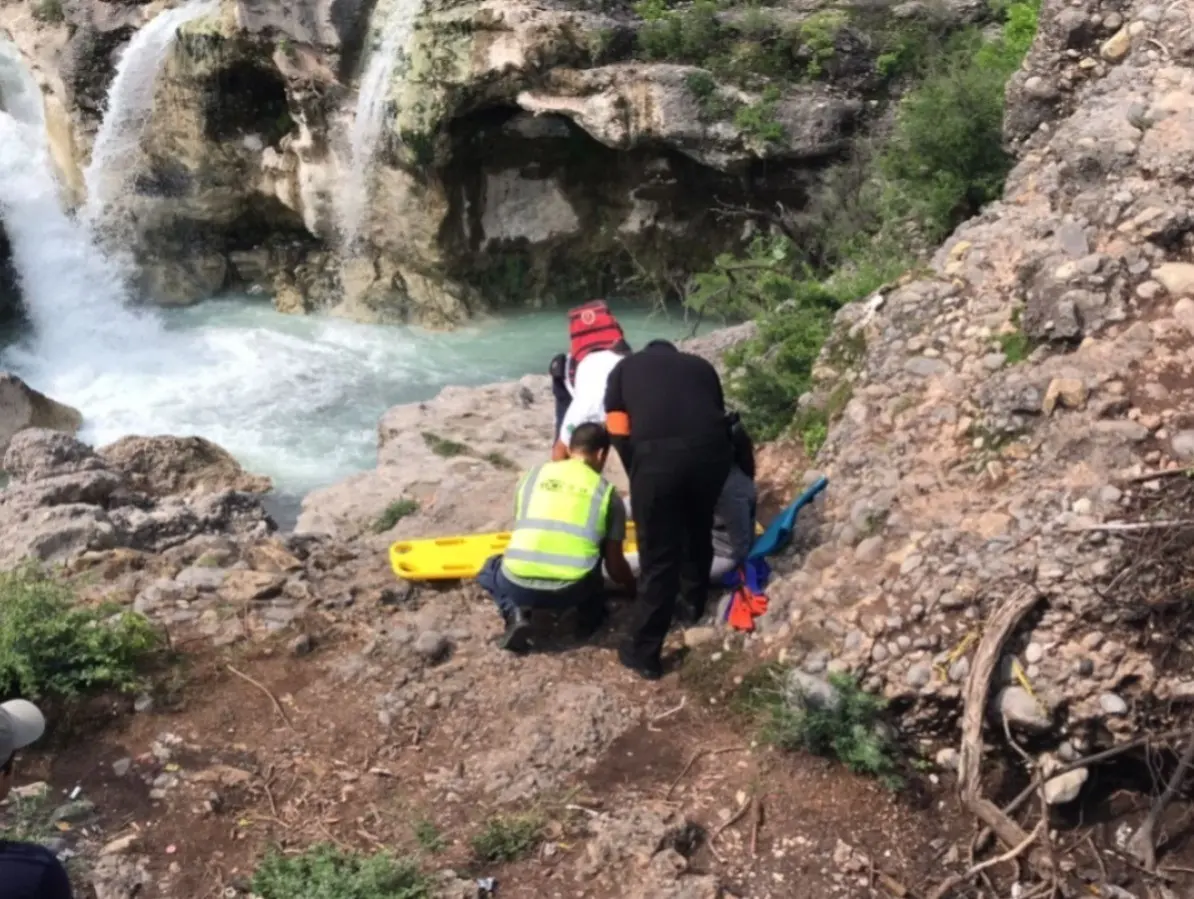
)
(618, 424)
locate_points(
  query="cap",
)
(21, 723)
(592, 327)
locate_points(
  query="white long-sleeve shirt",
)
(588, 394)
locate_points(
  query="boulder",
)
(23, 407)
(168, 466)
(64, 500)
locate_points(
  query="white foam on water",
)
(130, 104)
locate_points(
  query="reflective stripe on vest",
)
(561, 510)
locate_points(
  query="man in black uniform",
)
(667, 410)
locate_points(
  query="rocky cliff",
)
(529, 151)
(1005, 420)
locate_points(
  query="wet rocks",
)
(23, 407)
(172, 466)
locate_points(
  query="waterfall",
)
(74, 295)
(368, 124)
(130, 104)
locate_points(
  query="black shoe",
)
(686, 615)
(645, 670)
(517, 638)
(589, 621)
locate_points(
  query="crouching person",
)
(568, 521)
(27, 870)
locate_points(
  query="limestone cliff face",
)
(1005, 408)
(525, 155)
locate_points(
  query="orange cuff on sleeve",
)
(617, 423)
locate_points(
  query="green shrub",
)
(507, 839)
(758, 120)
(394, 513)
(500, 460)
(49, 11)
(690, 35)
(428, 836)
(850, 730)
(51, 647)
(442, 446)
(325, 872)
(818, 34)
(26, 819)
(794, 311)
(713, 104)
(872, 214)
(945, 159)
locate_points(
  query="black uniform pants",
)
(674, 486)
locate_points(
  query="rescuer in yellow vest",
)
(568, 520)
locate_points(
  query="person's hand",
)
(559, 452)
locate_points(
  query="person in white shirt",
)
(597, 344)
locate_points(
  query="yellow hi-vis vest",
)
(561, 513)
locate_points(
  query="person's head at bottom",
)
(590, 443)
(21, 723)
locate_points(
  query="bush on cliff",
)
(325, 872)
(874, 216)
(51, 647)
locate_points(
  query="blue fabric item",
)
(779, 532)
(29, 871)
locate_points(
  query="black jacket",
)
(668, 395)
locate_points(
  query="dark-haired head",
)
(590, 442)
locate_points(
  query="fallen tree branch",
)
(692, 761)
(266, 690)
(733, 819)
(1102, 756)
(1124, 526)
(943, 890)
(1143, 843)
(996, 631)
(1154, 475)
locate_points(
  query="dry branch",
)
(998, 628)
(266, 690)
(1010, 855)
(1143, 844)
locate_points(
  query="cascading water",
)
(368, 123)
(130, 103)
(74, 295)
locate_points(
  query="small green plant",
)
(428, 836)
(394, 513)
(713, 105)
(508, 838)
(325, 872)
(49, 11)
(818, 33)
(1015, 345)
(49, 646)
(757, 120)
(26, 819)
(850, 728)
(442, 446)
(813, 428)
(499, 460)
(286, 46)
